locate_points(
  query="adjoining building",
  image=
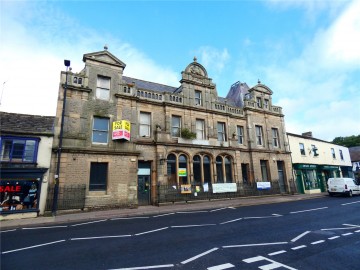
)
(26, 144)
(355, 160)
(124, 137)
(314, 161)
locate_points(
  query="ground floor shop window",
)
(18, 195)
(311, 182)
(201, 169)
(177, 169)
(98, 176)
(224, 171)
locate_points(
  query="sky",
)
(307, 52)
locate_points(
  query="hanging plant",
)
(187, 134)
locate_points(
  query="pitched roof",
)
(15, 123)
(354, 153)
(145, 85)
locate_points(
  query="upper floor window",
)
(266, 103)
(315, 150)
(259, 135)
(100, 133)
(200, 129)
(221, 132)
(333, 152)
(275, 134)
(198, 101)
(341, 155)
(175, 126)
(240, 133)
(145, 124)
(302, 149)
(258, 102)
(17, 149)
(103, 88)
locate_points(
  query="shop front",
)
(307, 178)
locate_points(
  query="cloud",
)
(213, 58)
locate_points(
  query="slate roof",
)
(15, 123)
(145, 85)
(354, 153)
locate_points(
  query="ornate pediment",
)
(104, 57)
(195, 69)
(262, 88)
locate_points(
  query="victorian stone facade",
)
(178, 135)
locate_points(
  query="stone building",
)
(123, 137)
(315, 161)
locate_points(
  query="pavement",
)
(86, 216)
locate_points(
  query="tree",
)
(349, 141)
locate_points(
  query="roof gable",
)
(262, 88)
(104, 57)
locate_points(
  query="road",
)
(319, 234)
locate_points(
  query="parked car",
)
(345, 186)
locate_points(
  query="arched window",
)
(219, 170)
(79, 80)
(75, 80)
(228, 170)
(171, 169)
(207, 169)
(197, 169)
(183, 178)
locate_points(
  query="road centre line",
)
(346, 234)
(299, 236)
(168, 214)
(127, 218)
(298, 247)
(318, 242)
(350, 203)
(152, 231)
(221, 267)
(331, 229)
(261, 217)
(334, 237)
(193, 212)
(146, 267)
(91, 222)
(230, 221)
(198, 256)
(188, 226)
(46, 227)
(351, 225)
(315, 209)
(277, 252)
(41, 245)
(357, 231)
(254, 245)
(100, 237)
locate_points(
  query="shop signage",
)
(305, 166)
(185, 189)
(329, 167)
(224, 187)
(121, 130)
(18, 195)
(263, 185)
(182, 172)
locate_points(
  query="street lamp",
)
(56, 188)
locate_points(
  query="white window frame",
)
(100, 131)
(198, 98)
(275, 134)
(259, 135)
(333, 153)
(258, 102)
(144, 124)
(240, 133)
(302, 149)
(175, 127)
(221, 131)
(103, 87)
(200, 129)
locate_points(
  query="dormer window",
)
(79, 80)
(266, 103)
(75, 80)
(258, 102)
(198, 101)
(103, 88)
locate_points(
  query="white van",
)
(346, 186)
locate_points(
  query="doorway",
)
(144, 183)
(280, 166)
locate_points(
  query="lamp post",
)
(57, 174)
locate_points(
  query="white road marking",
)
(189, 226)
(334, 237)
(352, 225)
(301, 235)
(231, 207)
(127, 218)
(85, 223)
(350, 203)
(254, 245)
(193, 212)
(222, 266)
(8, 231)
(273, 215)
(198, 256)
(146, 267)
(152, 231)
(315, 209)
(277, 252)
(318, 242)
(218, 209)
(272, 265)
(331, 229)
(298, 247)
(164, 215)
(230, 221)
(48, 227)
(346, 234)
(45, 244)
(99, 237)
(357, 231)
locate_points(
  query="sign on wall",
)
(182, 172)
(224, 187)
(263, 185)
(121, 130)
(185, 189)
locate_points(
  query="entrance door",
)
(143, 189)
(280, 165)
